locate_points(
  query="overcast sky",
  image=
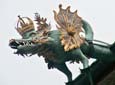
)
(16, 70)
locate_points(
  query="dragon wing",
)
(70, 27)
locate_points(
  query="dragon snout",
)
(24, 46)
(13, 44)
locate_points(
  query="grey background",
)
(16, 70)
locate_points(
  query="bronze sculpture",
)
(62, 45)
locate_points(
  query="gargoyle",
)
(65, 44)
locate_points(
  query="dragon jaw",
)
(30, 46)
(24, 46)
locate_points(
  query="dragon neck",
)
(88, 30)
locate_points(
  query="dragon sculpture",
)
(73, 41)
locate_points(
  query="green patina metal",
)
(54, 53)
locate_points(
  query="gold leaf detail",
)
(70, 25)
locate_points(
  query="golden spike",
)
(42, 18)
(55, 15)
(60, 6)
(68, 8)
(75, 11)
(22, 21)
(45, 19)
(56, 18)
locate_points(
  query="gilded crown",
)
(24, 25)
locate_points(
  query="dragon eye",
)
(32, 34)
(82, 35)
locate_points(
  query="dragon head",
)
(32, 40)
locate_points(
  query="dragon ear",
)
(55, 14)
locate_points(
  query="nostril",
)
(13, 44)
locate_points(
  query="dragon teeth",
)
(17, 42)
(24, 43)
(21, 43)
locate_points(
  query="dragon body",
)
(47, 44)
